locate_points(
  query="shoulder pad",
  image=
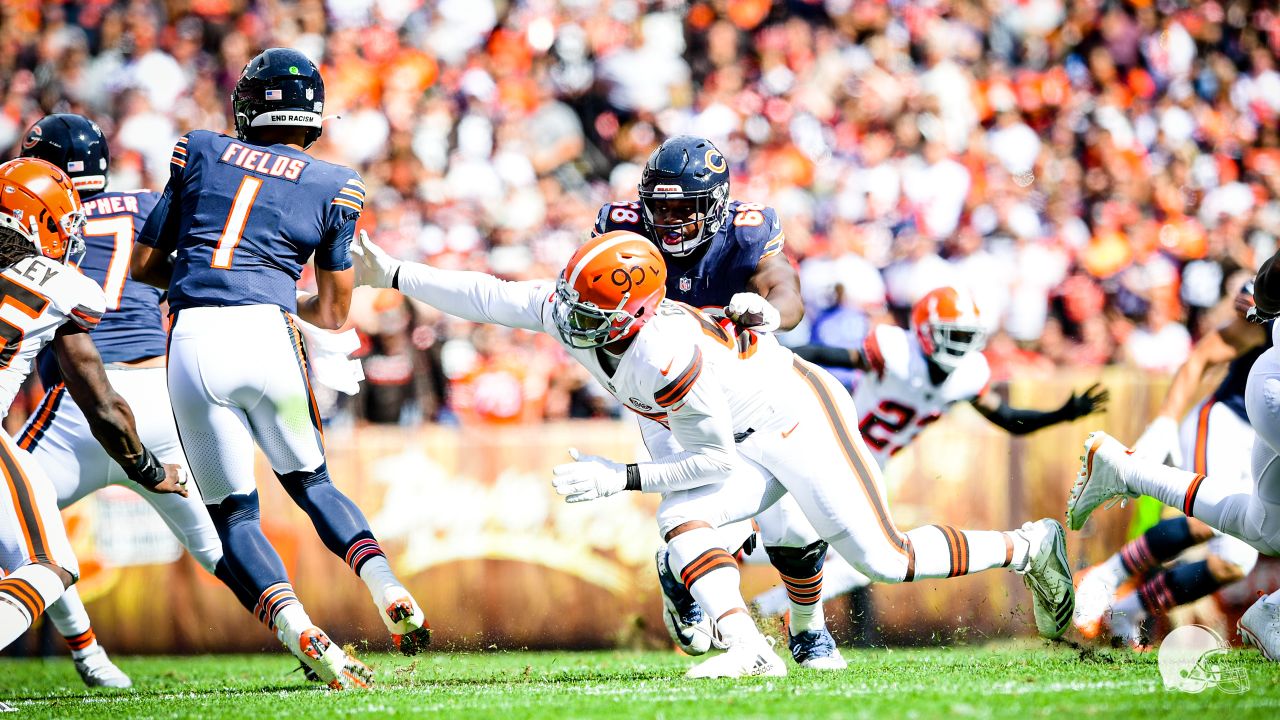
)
(969, 380)
(622, 215)
(888, 351)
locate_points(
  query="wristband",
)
(633, 477)
(148, 472)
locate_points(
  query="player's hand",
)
(749, 311)
(1092, 400)
(174, 482)
(1160, 441)
(374, 267)
(588, 477)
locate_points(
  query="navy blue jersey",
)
(132, 328)
(1231, 391)
(245, 218)
(718, 270)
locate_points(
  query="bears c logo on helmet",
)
(715, 160)
(32, 138)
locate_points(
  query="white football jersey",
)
(37, 295)
(896, 398)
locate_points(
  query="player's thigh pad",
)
(749, 491)
(286, 420)
(31, 528)
(213, 369)
(1218, 443)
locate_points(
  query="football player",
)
(241, 216)
(131, 341)
(909, 379)
(752, 422)
(1108, 471)
(40, 223)
(725, 257)
(1214, 438)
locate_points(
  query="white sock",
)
(382, 583)
(806, 617)
(24, 594)
(1114, 568)
(712, 577)
(1131, 607)
(291, 622)
(71, 619)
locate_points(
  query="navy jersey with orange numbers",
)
(245, 218)
(132, 328)
(718, 270)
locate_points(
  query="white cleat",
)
(1095, 595)
(97, 670)
(748, 657)
(407, 623)
(1048, 577)
(1128, 629)
(1260, 627)
(1099, 479)
(330, 663)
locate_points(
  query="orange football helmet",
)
(39, 202)
(609, 290)
(947, 324)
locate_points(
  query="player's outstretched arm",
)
(475, 296)
(109, 416)
(776, 281)
(834, 357)
(1021, 422)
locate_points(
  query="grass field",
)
(1016, 681)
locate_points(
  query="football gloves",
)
(1092, 400)
(749, 311)
(588, 477)
(374, 267)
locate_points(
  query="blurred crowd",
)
(1101, 174)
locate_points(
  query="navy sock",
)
(338, 522)
(1156, 546)
(801, 570)
(249, 557)
(1177, 586)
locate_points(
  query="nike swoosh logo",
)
(787, 434)
(667, 369)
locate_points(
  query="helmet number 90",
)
(749, 215)
(628, 278)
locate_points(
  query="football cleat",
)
(1048, 577)
(97, 670)
(816, 650)
(689, 627)
(1260, 627)
(331, 664)
(748, 657)
(408, 625)
(1128, 630)
(1095, 593)
(1099, 479)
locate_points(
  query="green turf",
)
(1016, 681)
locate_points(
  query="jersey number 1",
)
(233, 228)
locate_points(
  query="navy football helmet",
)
(684, 194)
(74, 144)
(279, 87)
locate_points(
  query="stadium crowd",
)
(1097, 173)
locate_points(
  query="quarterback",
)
(751, 420)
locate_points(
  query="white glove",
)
(374, 267)
(750, 311)
(1160, 441)
(328, 357)
(589, 477)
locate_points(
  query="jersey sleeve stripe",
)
(348, 203)
(179, 149)
(677, 389)
(871, 351)
(356, 183)
(353, 193)
(87, 318)
(178, 161)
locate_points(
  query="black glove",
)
(1092, 400)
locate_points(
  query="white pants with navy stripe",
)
(237, 376)
(1217, 442)
(59, 438)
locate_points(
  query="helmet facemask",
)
(709, 209)
(584, 325)
(951, 342)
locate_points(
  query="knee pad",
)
(234, 510)
(799, 562)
